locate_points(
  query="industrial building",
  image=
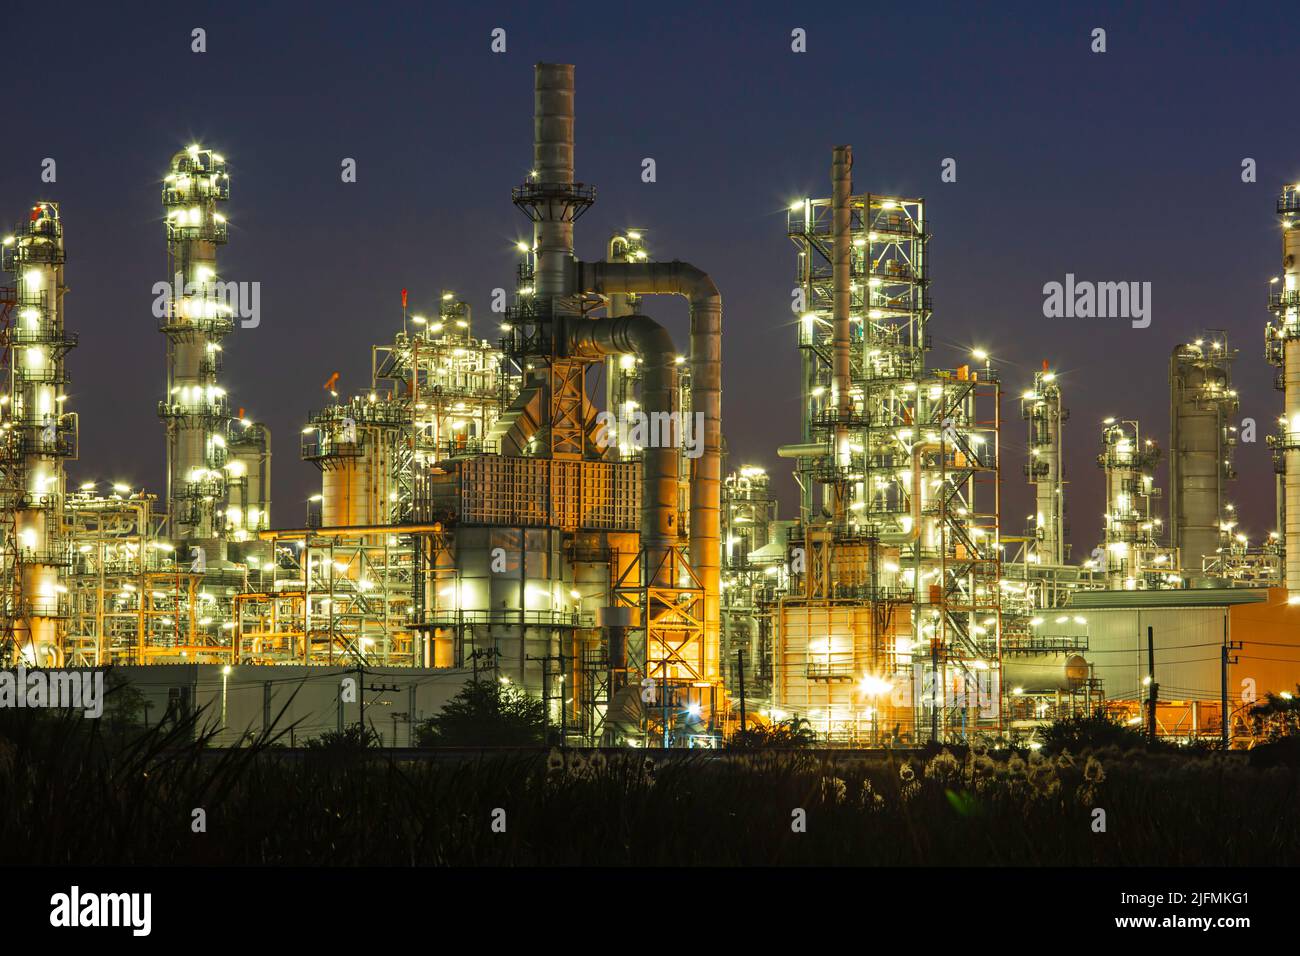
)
(489, 505)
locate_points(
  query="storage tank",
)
(354, 444)
(355, 491)
(1044, 673)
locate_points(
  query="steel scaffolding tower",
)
(908, 458)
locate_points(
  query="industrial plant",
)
(540, 494)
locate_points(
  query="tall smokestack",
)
(553, 168)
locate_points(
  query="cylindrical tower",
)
(1282, 342)
(38, 436)
(199, 315)
(1201, 403)
(354, 445)
(249, 479)
(1041, 408)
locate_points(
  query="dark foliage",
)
(73, 793)
(795, 732)
(487, 713)
(1080, 734)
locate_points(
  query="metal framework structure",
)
(908, 459)
(332, 596)
(1133, 557)
(754, 576)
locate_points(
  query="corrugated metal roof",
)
(1174, 598)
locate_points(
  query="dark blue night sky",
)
(1120, 166)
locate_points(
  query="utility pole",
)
(564, 716)
(474, 655)
(1224, 659)
(545, 661)
(934, 689)
(379, 689)
(410, 711)
(1152, 686)
(665, 705)
(740, 663)
(361, 697)
(1225, 732)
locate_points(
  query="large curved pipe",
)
(680, 278)
(647, 339)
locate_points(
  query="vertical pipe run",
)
(841, 279)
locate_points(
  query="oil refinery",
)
(540, 497)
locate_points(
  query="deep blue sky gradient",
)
(1122, 166)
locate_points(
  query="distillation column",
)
(1041, 408)
(197, 318)
(1282, 339)
(40, 435)
(1202, 402)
